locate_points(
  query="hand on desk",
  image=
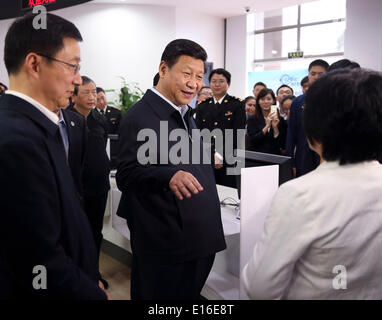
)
(182, 183)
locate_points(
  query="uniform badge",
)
(228, 113)
(72, 123)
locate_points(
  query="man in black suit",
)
(95, 176)
(46, 248)
(172, 209)
(222, 111)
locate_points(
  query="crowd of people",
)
(54, 175)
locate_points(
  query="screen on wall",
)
(275, 78)
(27, 4)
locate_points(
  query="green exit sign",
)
(296, 54)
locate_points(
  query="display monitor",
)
(259, 159)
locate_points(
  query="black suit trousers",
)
(95, 210)
(159, 281)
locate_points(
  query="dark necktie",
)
(102, 112)
(64, 136)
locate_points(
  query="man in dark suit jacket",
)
(46, 248)
(172, 210)
(304, 159)
(95, 176)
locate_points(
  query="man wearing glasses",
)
(95, 176)
(44, 232)
(222, 111)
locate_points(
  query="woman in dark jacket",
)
(266, 129)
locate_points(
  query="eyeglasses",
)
(76, 67)
(218, 81)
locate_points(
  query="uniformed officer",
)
(113, 115)
(222, 111)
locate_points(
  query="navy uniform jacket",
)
(114, 117)
(229, 115)
(304, 159)
(42, 222)
(162, 227)
(77, 136)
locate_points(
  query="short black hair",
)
(343, 111)
(284, 86)
(99, 89)
(343, 63)
(259, 84)
(320, 63)
(156, 79)
(182, 47)
(22, 38)
(290, 97)
(249, 98)
(222, 71)
(304, 80)
(262, 94)
(205, 87)
(85, 80)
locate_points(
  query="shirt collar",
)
(99, 110)
(177, 108)
(49, 114)
(220, 101)
(61, 117)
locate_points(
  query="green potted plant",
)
(129, 94)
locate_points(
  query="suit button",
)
(215, 123)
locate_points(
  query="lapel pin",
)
(72, 123)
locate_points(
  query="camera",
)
(247, 9)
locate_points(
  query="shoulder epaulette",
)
(236, 98)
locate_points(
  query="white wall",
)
(204, 29)
(363, 38)
(236, 55)
(4, 25)
(128, 40)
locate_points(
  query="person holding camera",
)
(266, 129)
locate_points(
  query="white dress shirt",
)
(49, 114)
(318, 224)
(182, 109)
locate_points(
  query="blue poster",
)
(275, 78)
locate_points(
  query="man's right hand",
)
(182, 183)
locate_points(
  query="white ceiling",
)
(220, 8)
